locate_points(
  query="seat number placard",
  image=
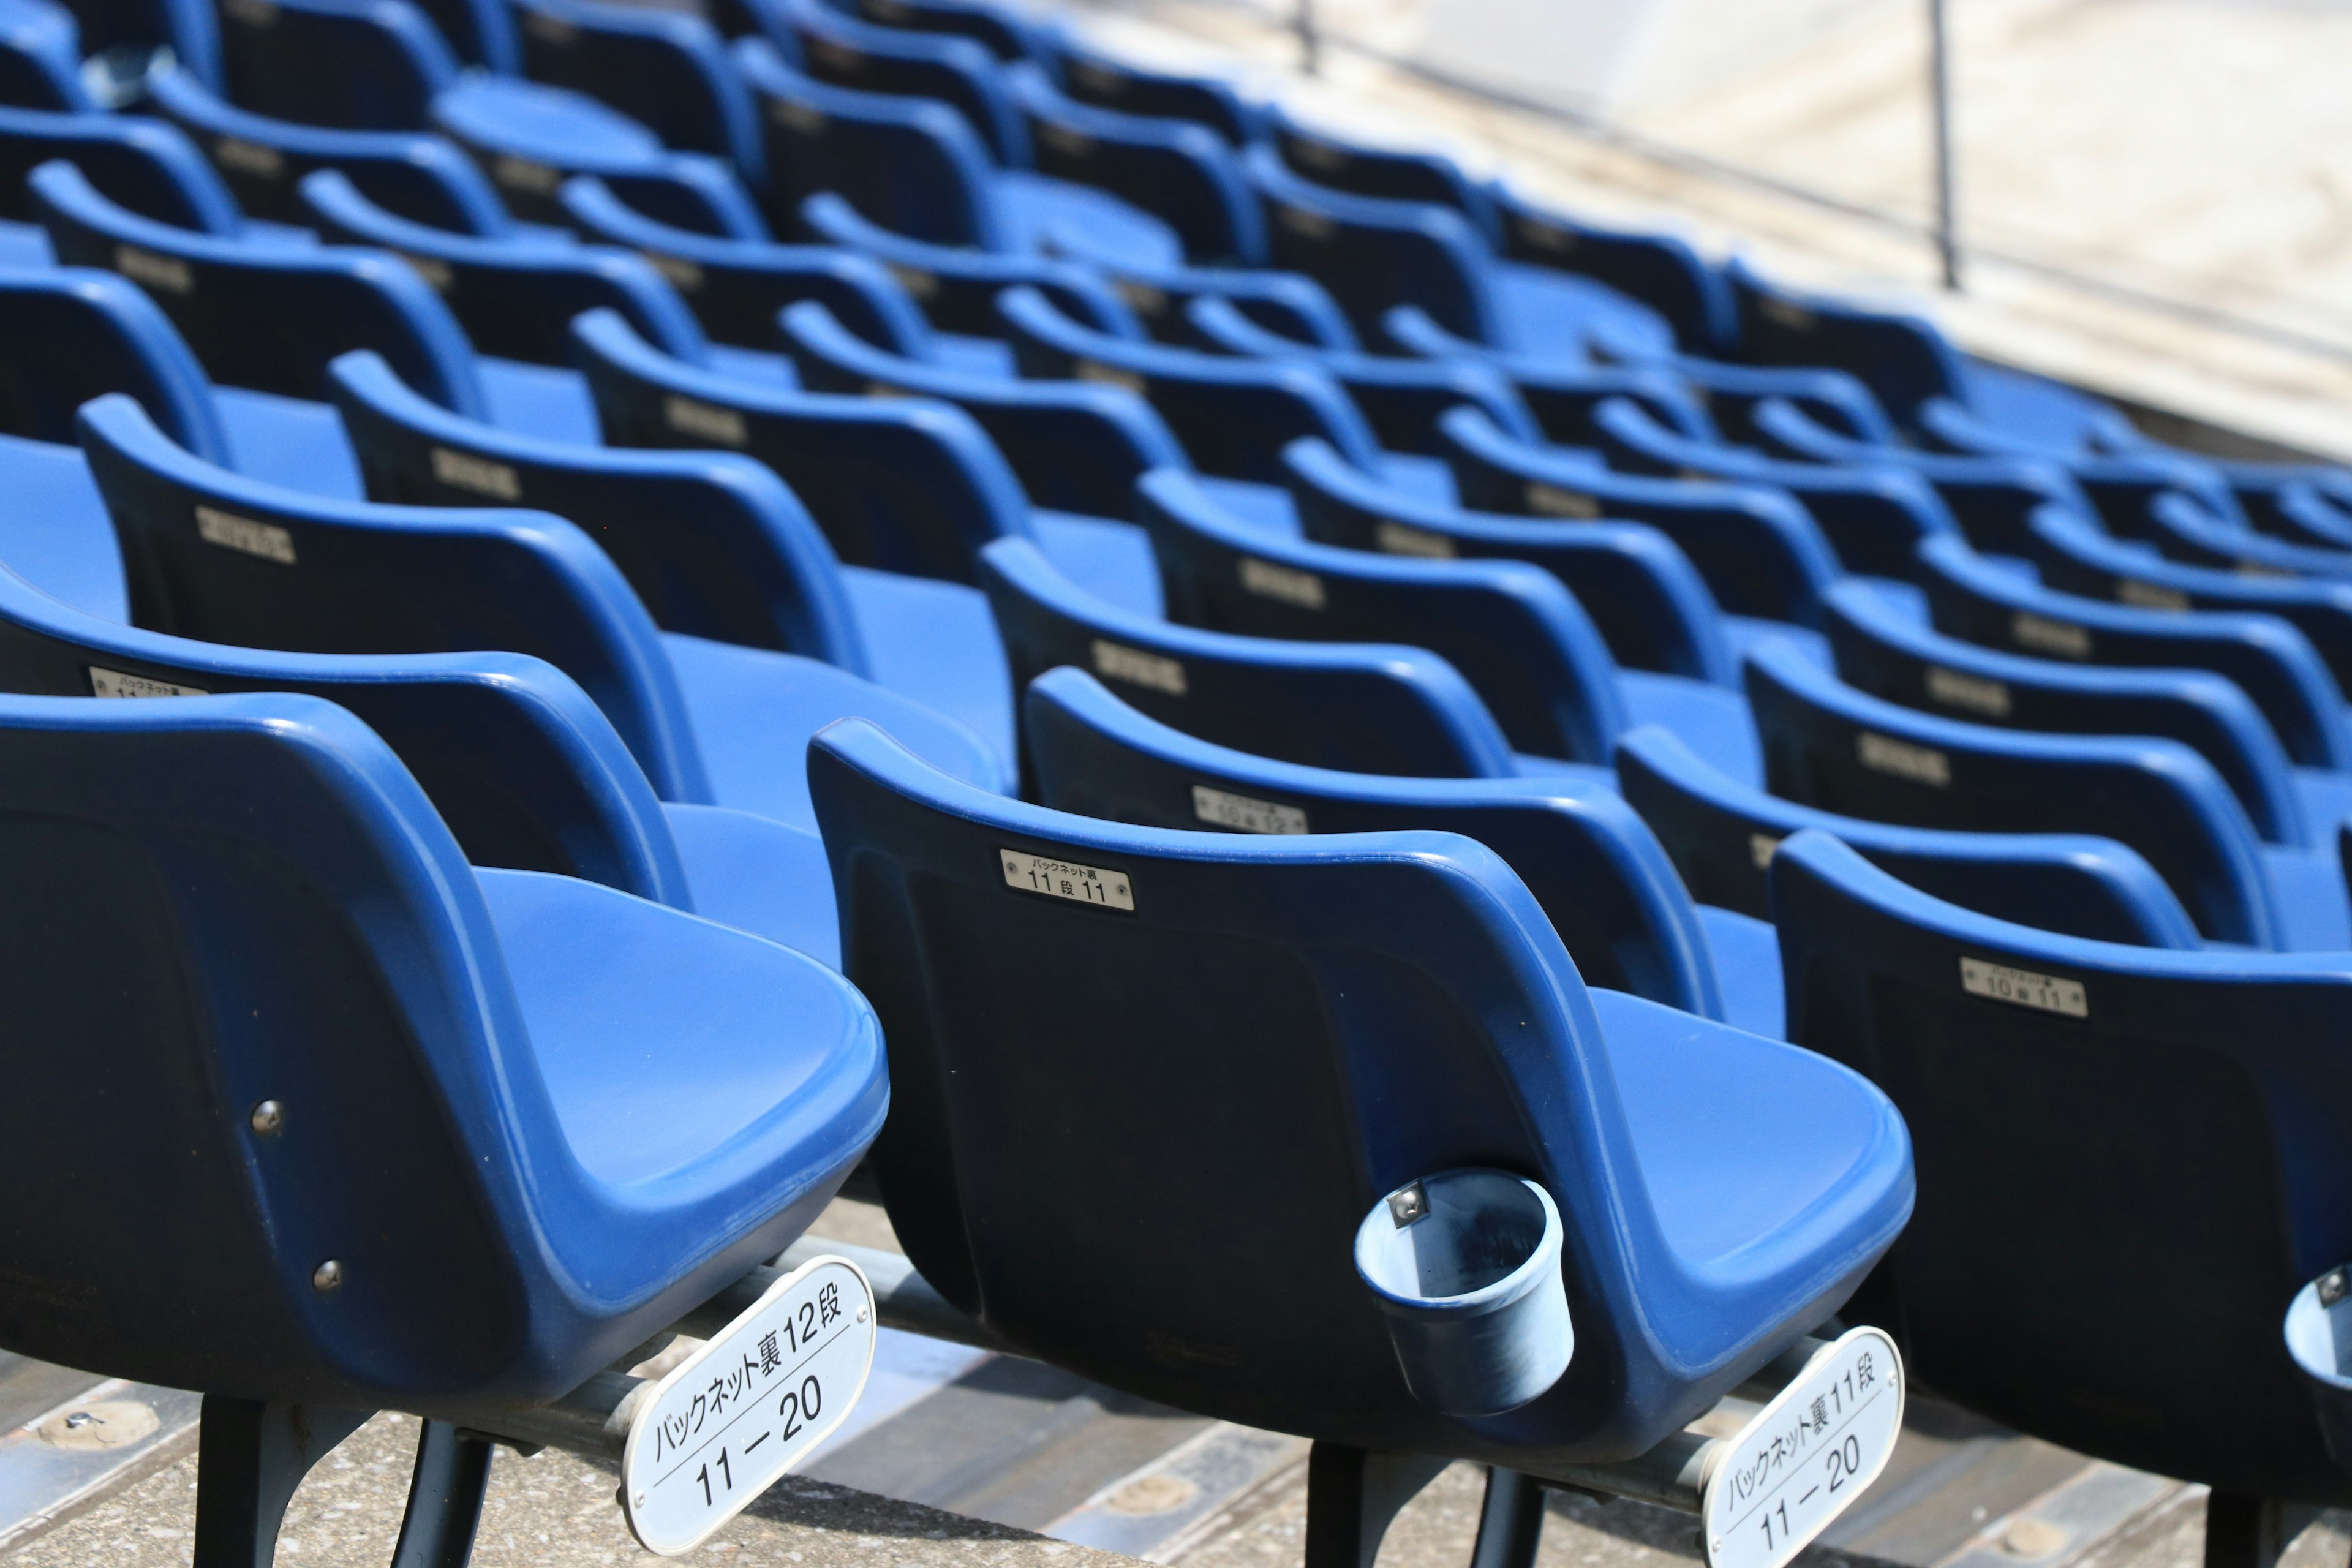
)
(1102, 885)
(1807, 1456)
(743, 1410)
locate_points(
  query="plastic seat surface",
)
(2191, 1105)
(905, 485)
(222, 559)
(138, 162)
(1105, 81)
(1660, 270)
(566, 1114)
(1389, 952)
(835, 46)
(40, 58)
(1598, 874)
(667, 70)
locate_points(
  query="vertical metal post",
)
(1310, 42)
(1939, 71)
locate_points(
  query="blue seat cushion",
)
(1529, 767)
(1748, 631)
(764, 1061)
(753, 365)
(54, 531)
(1047, 215)
(937, 643)
(1723, 1178)
(2327, 797)
(2310, 887)
(1110, 559)
(548, 123)
(1712, 721)
(1551, 315)
(1747, 967)
(1424, 479)
(753, 711)
(289, 441)
(540, 400)
(759, 875)
(1268, 507)
(26, 245)
(991, 357)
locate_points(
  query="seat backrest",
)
(737, 285)
(514, 296)
(2078, 1108)
(144, 164)
(1885, 653)
(1233, 416)
(358, 65)
(1637, 582)
(521, 765)
(267, 316)
(1828, 745)
(903, 484)
(1369, 708)
(40, 58)
(1722, 834)
(1662, 270)
(1091, 77)
(1977, 601)
(203, 892)
(714, 543)
(911, 165)
(836, 46)
(220, 558)
(1182, 173)
(666, 70)
(1387, 173)
(1374, 254)
(420, 175)
(71, 333)
(1519, 637)
(1007, 34)
(2075, 556)
(1903, 359)
(1381, 1005)
(1598, 872)
(187, 28)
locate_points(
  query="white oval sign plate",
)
(740, 1411)
(1806, 1455)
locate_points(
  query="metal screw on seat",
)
(1407, 1204)
(328, 1277)
(2335, 1285)
(268, 1118)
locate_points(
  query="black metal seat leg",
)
(1510, 1524)
(1352, 1496)
(2243, 1531)
(445, 1499)
(249, 1459)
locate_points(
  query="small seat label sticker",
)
(118, 683)
(244, 535)
(1552, 500)
(2044, 635)
(745, 1409)
(2024, 988)
(464, 471)
(1404, 539)
(1244, 814)
(1286, 584)
(1973, 692)
(1115, 662)
(691, 416)
(1920, 764)
(1102, 886)
(1805, 1457)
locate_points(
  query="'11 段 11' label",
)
(1105, 886)
(1805, 1457)
(718, 1431)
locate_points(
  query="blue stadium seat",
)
(219, 558)
(714, 545)
(667, 70)
(2320, 1339)
(1829, 745)
(833, 46)
(515, 295)
(1875, 515)
(143, 164)
(1763, 559)
(1597, 873)
(1512, 629)
(906, 485)
(1372, 708)
(1495, 472)
(1887, 654)
(2074, 556)
(1723, 834)
(525, 771)
(69, 333)
(1007, 36)
(1402, 399)
(534, 1081)
(1386, 173)
(736, 286)
(40, 58)
(1180, 172)
(1976, 600)
(1660, 270)
(1105, 81)
(2184, 529)
(2178, 1105)
(1403, 954)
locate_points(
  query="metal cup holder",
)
(1465, 1265)
(2319, 1337)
